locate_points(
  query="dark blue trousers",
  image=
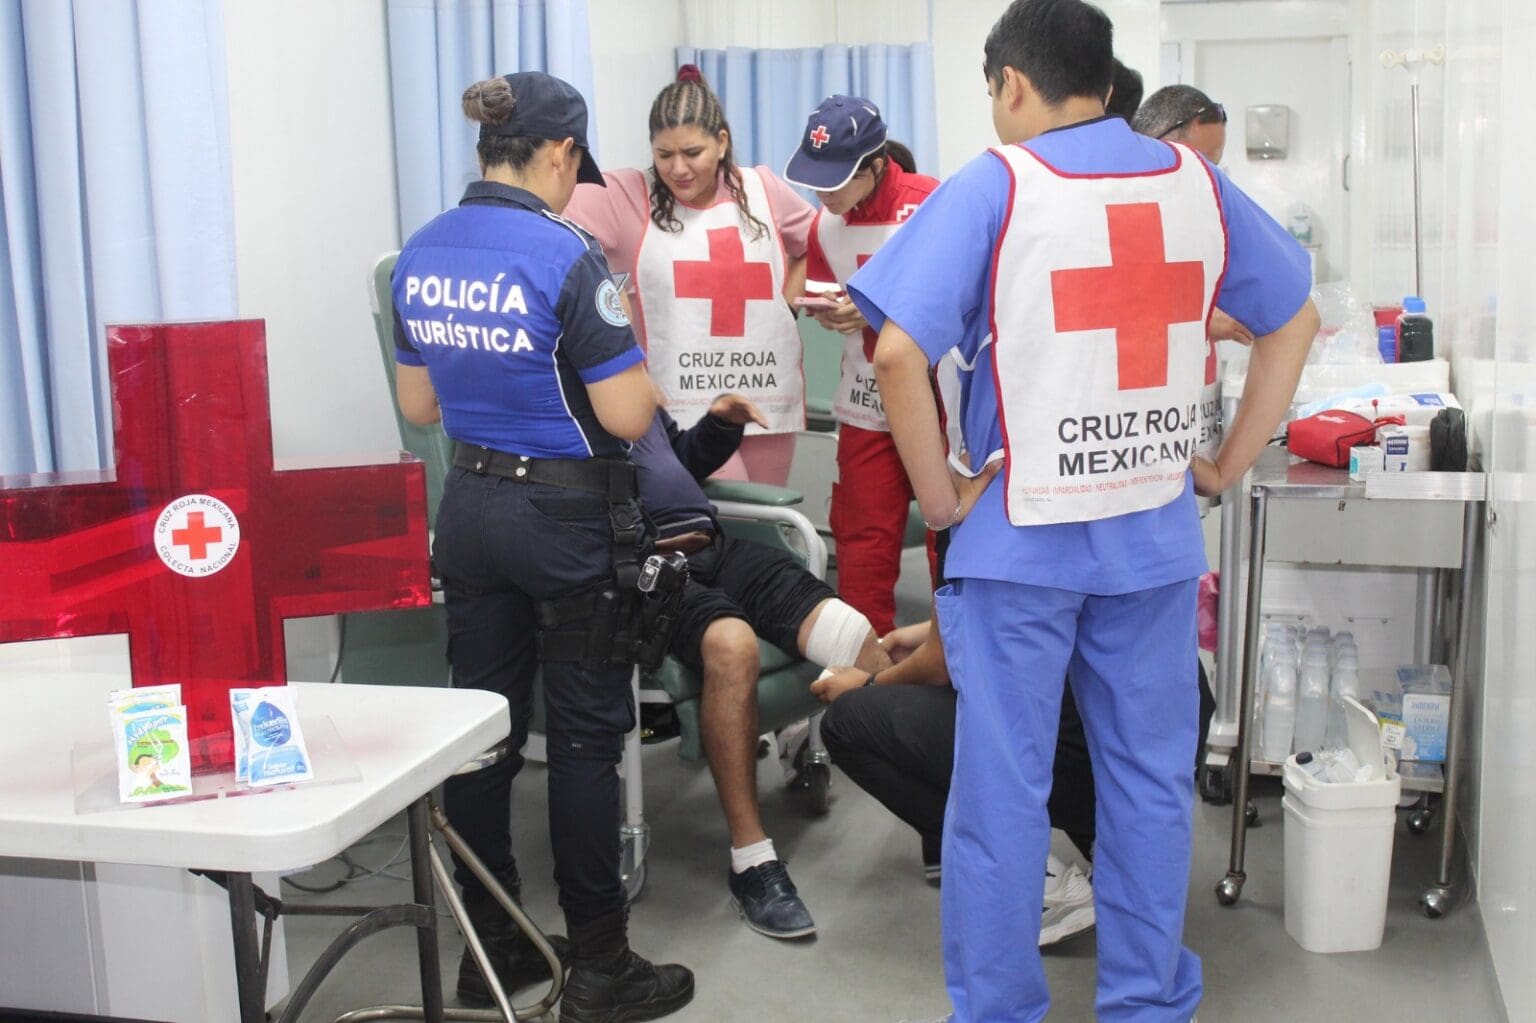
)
(500, 547)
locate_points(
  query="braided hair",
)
(690, 101)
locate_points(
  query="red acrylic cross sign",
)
(819, 137)
(1139, 295)
(195, 547)
(726, 279)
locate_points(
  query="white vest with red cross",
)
(1102, 289)
(847, 247)
(715, 315)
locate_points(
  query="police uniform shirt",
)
(512, 311)
(933, 278)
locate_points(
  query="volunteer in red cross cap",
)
(1074, 267)
(868, 187)
(710, 249)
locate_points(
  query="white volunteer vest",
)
(858, 398)
(715, 316)
(1102, 290)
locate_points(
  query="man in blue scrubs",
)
(1073, 270)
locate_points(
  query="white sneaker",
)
(1068, 908)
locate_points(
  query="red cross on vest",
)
(1139, 295)
(726, 279)
(192, 427)
(819, 137)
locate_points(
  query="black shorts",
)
(764, 586)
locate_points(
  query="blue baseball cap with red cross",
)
(838, 135)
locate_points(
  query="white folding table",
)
(402, 740)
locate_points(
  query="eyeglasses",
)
(1211, 113)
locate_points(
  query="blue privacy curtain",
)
(436, 49)
(768, 94)
(115, 204)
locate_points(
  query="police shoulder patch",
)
(608, 305)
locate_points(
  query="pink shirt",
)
(618, 216)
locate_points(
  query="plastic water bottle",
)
(1346, 682)
(1312, 700)
(1279, 708)
(1415, 332)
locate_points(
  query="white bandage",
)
(838, 636)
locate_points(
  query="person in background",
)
(1184, 114)
(1125, 94)
(713, 252)
(535, 375)
(868, 187)
(1074, 267)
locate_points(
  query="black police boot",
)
(608, 983)
(517, 960)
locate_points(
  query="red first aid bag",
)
(1326, 437)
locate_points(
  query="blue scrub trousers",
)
(1129, 659)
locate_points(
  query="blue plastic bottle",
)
(1386, 342)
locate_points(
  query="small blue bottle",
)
(1386, 342)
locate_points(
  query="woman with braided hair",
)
(712, 249)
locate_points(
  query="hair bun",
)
(690, 73)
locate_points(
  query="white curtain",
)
(115, 204)
(439, 47)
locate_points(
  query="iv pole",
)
(1411, 61)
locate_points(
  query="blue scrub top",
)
(933, 279)
(513, 312)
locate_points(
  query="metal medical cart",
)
(1430, 531)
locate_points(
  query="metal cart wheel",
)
(1420, 820)
(1251, 815)
(1229, 889)
(1435, 902)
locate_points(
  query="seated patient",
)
(737, 591)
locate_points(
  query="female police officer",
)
(509, 330)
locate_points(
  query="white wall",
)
(960, 28)
(1293, 54)
(311, 146)
(632, 59)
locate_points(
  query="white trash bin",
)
(1338, 847)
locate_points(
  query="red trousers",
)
(870, 504)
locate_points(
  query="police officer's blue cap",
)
(838, 135)
(548, 108)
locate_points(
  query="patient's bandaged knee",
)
(838, 635)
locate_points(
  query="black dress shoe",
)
(769, 903)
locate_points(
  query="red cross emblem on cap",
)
(820, 136)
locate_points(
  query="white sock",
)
(754, 855)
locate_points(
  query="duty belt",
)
(610, 478)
